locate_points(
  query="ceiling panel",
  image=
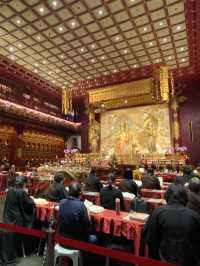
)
(67, 40)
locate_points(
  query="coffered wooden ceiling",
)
(65, 41)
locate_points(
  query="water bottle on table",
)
(117, 206)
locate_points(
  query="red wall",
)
(190, 110)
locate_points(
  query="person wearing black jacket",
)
(127, 184)
(57, 190)
(194, 194)
(92, 182)
(172, 232)
(19, 210)
(110, 193)
(150, 181)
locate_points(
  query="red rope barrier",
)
(23, 230)
(122, 256)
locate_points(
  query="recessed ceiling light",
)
(12, 57)
(38, 37)
(93, 46)
(106, 73)
(125, 51)
(11, 49)
(44, 61)
(60, 28)
(53, 81)
(102, 105)
(18, 21)
(125, 101)
(178, 27)
(62, 56)
(100, 12)
(161, 24)
(74, 66)
(182, 48)
(73, 23)
(157, 60)
(50, 73)
(135, 66)
(82, 49)
(145, 29)
(115, 70)
(88, 77)
(35, 70)
(165, 39)
(54, 3)
(92, 60)
(41, 9)
(150, 44)
(169, 57)
(65, 82)
(20, 45)
(103, 57)
(183, 60)
(117, 38)
(36, 64)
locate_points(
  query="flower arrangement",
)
(70, 151)
(180, 149)
(177, 149)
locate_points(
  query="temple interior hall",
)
(100, 132)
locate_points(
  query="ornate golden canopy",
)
(141, 92)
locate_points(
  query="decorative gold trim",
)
(164, 83)
(66, 101)
(129, 102)
(121, 91)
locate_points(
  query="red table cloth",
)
(110, 223)
(153, 203)
(36, 186)
(91, 196)
(106, 221)
(167, 176)
(94, 197)
(152, 193)
(44, 212)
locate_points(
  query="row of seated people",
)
(57, 190)
(171, 232)
(170, 229)
(148, 177)
(19, 209)
(184, 170)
